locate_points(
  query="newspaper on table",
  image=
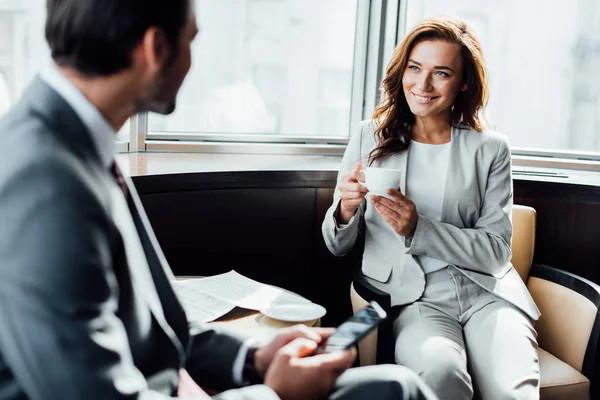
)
(206, 299)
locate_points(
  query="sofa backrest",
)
(265, 225)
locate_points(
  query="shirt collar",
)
(103, 135)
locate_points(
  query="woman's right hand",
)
(352, 194)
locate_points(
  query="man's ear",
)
(153, 51)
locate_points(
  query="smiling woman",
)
(439, 245)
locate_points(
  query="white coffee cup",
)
(379, 180)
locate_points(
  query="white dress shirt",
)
(425, 186)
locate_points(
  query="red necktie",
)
(188, 388)
(116, 171)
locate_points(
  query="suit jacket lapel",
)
(454, 174)
(166, 309)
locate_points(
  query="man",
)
(86, 306)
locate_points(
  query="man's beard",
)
(164, 107)
(156, 99)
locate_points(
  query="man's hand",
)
(293, 377)
(400, 214)
(265, 354)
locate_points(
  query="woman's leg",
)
(431, 343)
(502, 351)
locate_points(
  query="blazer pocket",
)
(377, 270)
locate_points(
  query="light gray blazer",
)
(474, 234)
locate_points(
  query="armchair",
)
(568, 330)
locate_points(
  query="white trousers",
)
(465, 341)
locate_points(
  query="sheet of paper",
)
(199, 305)
(241, 291)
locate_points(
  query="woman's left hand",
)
(401, 214)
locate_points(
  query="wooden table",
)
(241, 318)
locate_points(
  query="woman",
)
(441, 248)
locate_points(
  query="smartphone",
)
(351, 331)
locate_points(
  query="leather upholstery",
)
(264, 224)
(523, 240)
(367, 346)
(561, 331)
(560, 381)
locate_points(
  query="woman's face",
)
(433, 78)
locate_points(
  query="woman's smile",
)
(424, 99)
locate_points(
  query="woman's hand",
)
(400, 214)
(352, 194)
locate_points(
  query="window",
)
(23, 48)
(24, 52)
(289, 69)
(543, 60)
(278, 67)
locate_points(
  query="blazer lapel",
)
(154, 282)
(454, 174)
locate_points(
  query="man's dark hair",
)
(97, 37)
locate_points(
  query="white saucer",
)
(294, 312)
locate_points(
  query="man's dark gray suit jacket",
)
(75, 323)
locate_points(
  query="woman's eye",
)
(441, 73)
(413, 67)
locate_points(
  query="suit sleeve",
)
(340, 239)
(485, 247)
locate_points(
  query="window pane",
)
(23, 48)
(24, 51)
(268, 66)
(543, 60)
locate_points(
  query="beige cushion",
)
(367, 348)
(523, 240)
(560, 381)
(566, 323)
